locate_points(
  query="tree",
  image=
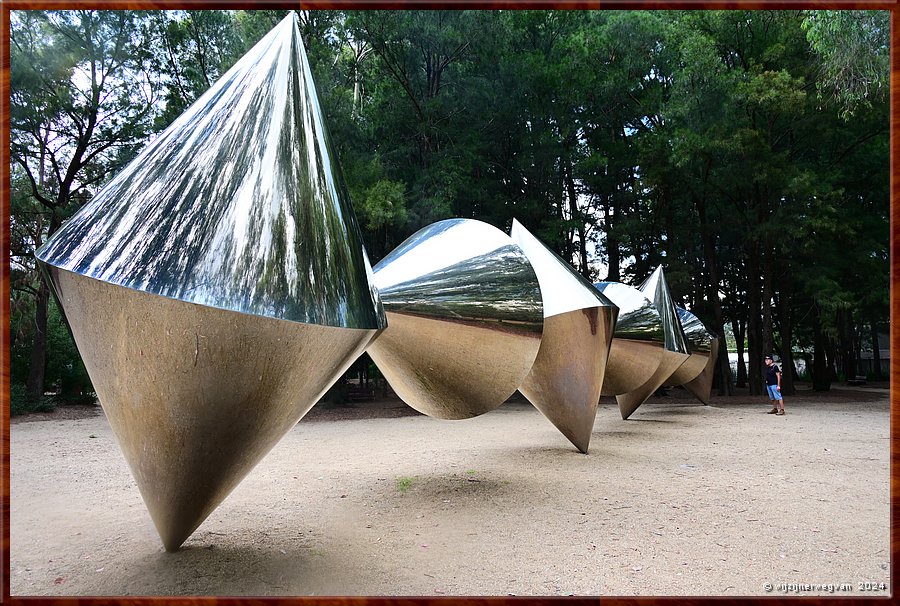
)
(82, 100)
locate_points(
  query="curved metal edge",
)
(630, 401)
(701, 386)
(567, 376)
(196, 396)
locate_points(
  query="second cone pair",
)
(474, 314)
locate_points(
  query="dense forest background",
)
(746, 151)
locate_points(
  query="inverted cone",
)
(465, 318)
(218, 285)
(638, 342)
(196, 396)
(567, 376)
(699, 341)
(629, 402)
(701, 386)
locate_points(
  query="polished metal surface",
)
(196, 396)
(218, 285)
(464, 318)
(629, 402)
(701, 386)
(239, 204)
(676, 351)
(699, 342)
(656, 290)
(638, 342)
(565, 381)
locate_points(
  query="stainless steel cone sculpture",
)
(465, 318)
(675, 351)
(637, 345)
(638, 359)
(701, 344)
(565, 381)
(218, 285)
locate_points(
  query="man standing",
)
(773, 385)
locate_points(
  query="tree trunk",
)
(613, 255)
(845, 342)
(38, 361)
(876, 352)
(821, 374)
(584, 270)
(787, 357)
(737, 326)
(754, 326)
(726, 386)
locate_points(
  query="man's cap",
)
(769, 358)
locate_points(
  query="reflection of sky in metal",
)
(461, 269)
(698, 337)
(239, 204)
(563, 289)
(656, 290)
(638, 318)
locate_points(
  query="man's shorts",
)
(774, 394)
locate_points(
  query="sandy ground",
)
(680, 500)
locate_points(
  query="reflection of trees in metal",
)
(565, 381)
(656, 290)
(218, 285)
(638, 343)
(464, 318)
(239, 204)
(697, 372)
(651, 346)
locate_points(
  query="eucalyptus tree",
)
(82, 98)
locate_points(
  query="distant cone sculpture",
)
(465, 318)
(701, 386)
(637, 346)
(218, 286)
(565, 381)
(704, 348)
(675, 352)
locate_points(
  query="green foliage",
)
(695, 139)
(853, 47)
(21, 403)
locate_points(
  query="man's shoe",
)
(780, 412)
(773, 411)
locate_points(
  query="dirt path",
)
(682, 499)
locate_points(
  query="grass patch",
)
(404, 483)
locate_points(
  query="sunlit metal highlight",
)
(565, 381)
(218, 285)
(465, 318)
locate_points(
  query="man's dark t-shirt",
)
(771, 371)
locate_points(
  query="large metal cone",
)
(701, 386)
(196, 396)
(699, 342)
(238, 204)
(565, 381)
(465, 318)
(638, 344)
(218, 285)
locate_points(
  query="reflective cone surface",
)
(566, 379)
(218, 285)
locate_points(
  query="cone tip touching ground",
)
(205, 353)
